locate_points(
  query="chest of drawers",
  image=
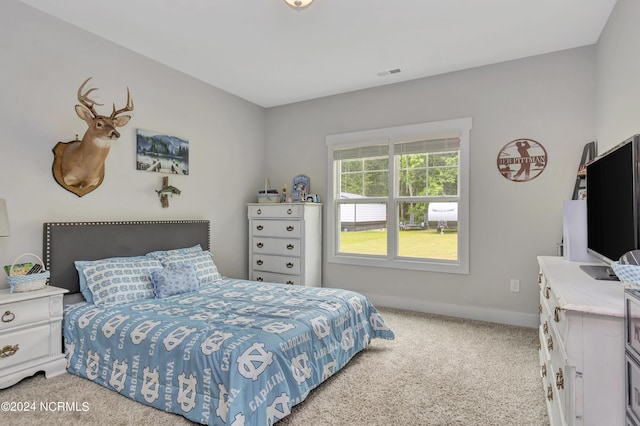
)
(285, 243)
(580, 345)
(30, 334)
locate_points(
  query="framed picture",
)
(161, 153)
(301, 187)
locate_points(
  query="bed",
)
(149, 316)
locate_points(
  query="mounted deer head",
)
(79, 165)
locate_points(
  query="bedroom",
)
(563, 99)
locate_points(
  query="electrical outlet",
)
(515, 285)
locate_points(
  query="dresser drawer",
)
(279, 264)
(24, 345)
(24, 312)
(557, 315)
(276, 228)
(554, 405)
(275, 211)
(271, 277)
(632, 323)
(281, 246)
(632, 370)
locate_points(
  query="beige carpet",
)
(438, 371)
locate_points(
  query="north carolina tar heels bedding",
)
(234, 352)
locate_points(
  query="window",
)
(398, 197)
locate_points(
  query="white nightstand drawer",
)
(24, 345)
(279, 264)
(24, 312)
(275, 211)
(281, 246)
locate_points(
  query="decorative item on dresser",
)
(30, 334)
(581, 345)
(285, 243)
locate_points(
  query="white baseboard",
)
(460, 311)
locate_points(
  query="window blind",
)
(361, 152)
(426, 146)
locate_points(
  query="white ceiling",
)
(270, 54)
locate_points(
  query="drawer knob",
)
(260, 279)
(289, 246)
(259, 227)
(259, 262)
(549, 393)
(547, 292)
(289, 211)
(539, 278)
(289, 265)
(540, 308)
(544, 370)
(290, 228)
(8, 350)
(259, 211)
(545, 328)
(556, 314)
(560, 379)
(289, 282)
(550, 343)
(260, 245)
(8, 316)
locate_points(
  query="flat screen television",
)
(613, 187)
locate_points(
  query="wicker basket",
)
(267, 197)
(29, 282)
(629, 275)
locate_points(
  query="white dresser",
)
(30, 334)
(581, 345)
(285, 243)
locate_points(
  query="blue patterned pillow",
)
(206, 270)
(121, 281)
(81, 264)
(171, 281)
(164, 253)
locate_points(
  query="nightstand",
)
(30, 334)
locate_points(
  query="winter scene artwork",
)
(158, 152)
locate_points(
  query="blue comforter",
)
(234, 353)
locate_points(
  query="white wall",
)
(549, 98)
(44, 60)
(618, 76)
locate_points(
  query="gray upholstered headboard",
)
(66, 242)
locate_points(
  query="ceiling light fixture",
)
(299, 4)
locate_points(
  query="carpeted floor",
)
(438, 371)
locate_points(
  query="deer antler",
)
(128, 107)
(84, 99)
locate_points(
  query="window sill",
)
(451, 267)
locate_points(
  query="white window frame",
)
(460, 128)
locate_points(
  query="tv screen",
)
(612, 201)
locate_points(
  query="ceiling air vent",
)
(389, 72)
